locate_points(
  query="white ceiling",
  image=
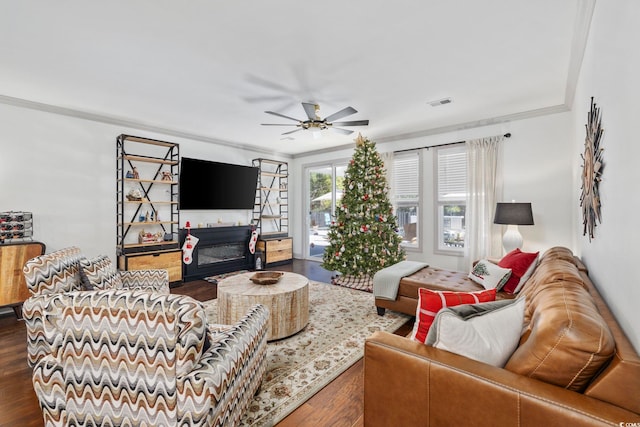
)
(209, 69)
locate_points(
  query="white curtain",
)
(484, 185)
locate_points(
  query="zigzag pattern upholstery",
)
(60, 272)
(139, 358)
(56, 272)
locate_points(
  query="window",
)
(451, 190)
(406, 196)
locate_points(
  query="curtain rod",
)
(506, 135)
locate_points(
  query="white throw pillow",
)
(489, 275)
(487, 332)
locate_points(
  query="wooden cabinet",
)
(276, 251)
(13, 257)
(160, 260)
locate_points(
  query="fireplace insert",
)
(219, 250)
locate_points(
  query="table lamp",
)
(513, 214)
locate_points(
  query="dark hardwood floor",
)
(338, 404)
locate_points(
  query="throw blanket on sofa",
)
(387, 280)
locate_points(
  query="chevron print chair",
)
(139, 358)
(68, 270)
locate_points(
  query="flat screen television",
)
(205, 184)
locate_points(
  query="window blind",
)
(405, 178)
(452, 174)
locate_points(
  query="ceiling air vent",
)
(440, 102)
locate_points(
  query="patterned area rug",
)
(299, 366)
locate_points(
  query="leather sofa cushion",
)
(565, 341)
(438, 279)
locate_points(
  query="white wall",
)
(537, 168)
(63, 169)
(610, 73)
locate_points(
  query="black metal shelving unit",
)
(271, 209)
(157, 185)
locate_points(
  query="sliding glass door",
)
(324, 192)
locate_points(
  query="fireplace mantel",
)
(219, 250)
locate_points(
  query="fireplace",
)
(219, 250)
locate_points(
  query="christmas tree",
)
(363, 236)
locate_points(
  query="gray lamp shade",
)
(513, 214)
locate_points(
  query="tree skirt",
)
(299, 366)
(361, 283)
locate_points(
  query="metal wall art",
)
(592, 167)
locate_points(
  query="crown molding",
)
(134, 124)
(555, 109)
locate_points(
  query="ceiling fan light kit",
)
(315, 122)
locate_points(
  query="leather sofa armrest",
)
(408, 383)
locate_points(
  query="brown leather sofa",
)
(573, 366)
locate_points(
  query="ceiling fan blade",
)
(340, 114)
(343, 131)
(352, 123)
(278, 124)
(281, 115)
(292, 131)
(310, 109)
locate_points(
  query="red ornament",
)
(365, 197)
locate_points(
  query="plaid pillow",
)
(430, 302)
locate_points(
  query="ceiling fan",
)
(315, 122)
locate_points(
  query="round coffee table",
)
(287, 301)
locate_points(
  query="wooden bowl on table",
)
(266, 277)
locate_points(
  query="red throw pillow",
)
(430, 302)
(519, 262)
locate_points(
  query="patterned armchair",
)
(131, 358)
(68, 270)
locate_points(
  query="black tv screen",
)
(212, 185)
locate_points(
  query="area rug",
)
(299, 366)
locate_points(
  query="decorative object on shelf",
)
(129, 175)
(513, 214)
(134, 195)
(166, 176)
(266, 277)
(592, 166)
(146, 237)
(136, 175)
